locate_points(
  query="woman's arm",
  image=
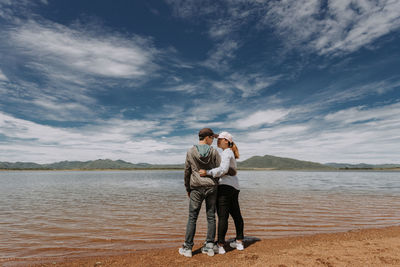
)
(231, 172)
(223, 167)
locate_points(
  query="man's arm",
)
(188, 173)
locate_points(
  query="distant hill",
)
(279, 163)
(20, 165)
(103, 164)
(363, 166)
(95, 164)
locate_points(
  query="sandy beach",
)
(367, 247)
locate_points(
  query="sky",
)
(136, 80)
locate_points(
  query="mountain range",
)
(103, 164)
(256, 162)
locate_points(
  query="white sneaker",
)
(221, 249)
(215, 248)
(208, 248)
(187, 252)
(237, 245)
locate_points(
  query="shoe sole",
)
(183, 254)
(210, 252)
(234, 246)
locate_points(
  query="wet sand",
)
(367, 247)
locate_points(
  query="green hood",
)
(203, 149)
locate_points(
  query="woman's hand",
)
(203, 173)
(232, 171)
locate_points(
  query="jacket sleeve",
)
(223, 167)
(188, 172)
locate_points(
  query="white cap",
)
(226, 136)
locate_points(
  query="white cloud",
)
(51, 108)
(11, 10)
(248, 84)
(327, 27)
(277, 132)
(71, 65)
(78, 51)
(339, 27)
(362, 114)
(23, 129)
(223, 19)
(184, 88)
(76, 61)
(58, 103)
(353, 135)
(131, 140)
(3, 77)
(261, 117)
(220, 29)
(190, 8)
(221, 55)
(252, 84)
(338, 93)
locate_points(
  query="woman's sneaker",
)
(237, 245)
(208, 248)
(221, 249)
(185, 251)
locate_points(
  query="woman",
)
(228, 192)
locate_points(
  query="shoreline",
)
(361, 247)
(239, 169)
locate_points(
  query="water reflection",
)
(79, 213)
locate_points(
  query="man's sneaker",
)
(237, 245)
(215, 248)
(185, 251)
(208, 248)
(221, 249)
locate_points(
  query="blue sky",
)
(136, 80)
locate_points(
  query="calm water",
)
(83, 213)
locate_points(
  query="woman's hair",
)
(234, 148)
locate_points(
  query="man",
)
(201, 156)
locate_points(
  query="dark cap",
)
(207, 132)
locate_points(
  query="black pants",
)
(228, 203)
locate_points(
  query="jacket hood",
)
(198, 157)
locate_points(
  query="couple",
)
(211, 177)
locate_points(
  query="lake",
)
(82, 213)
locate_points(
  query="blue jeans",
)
(196, 199)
